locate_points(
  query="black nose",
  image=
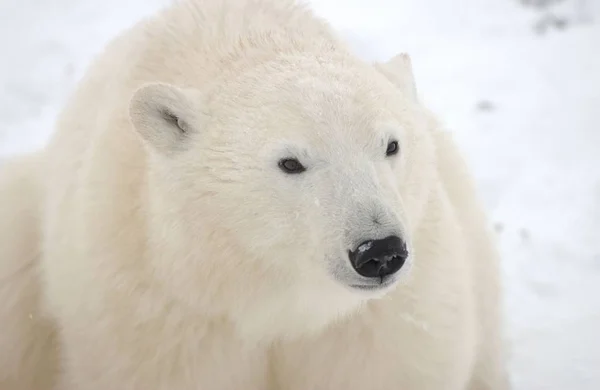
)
(379, 258)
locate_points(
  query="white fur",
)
(27, 338)
(177, 255)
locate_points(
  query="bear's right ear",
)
(399, 71)
(164, 115)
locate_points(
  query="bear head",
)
(289, 194)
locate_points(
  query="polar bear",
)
(232, 199)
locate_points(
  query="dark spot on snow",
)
(524, 234)
(485, 106)
(498, 227)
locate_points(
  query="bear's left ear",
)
(165, 115)
(399, 71)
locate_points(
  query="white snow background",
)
(520, 87)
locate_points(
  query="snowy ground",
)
(523, 101)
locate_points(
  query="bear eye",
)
(392, 148)
(291, 165)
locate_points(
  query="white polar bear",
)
(232, 200)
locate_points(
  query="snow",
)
(521, 94)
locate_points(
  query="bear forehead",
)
(311, 118)
(330, 99)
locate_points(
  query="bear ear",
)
(399, 71)
(164, 115)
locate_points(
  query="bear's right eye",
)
(291, 166)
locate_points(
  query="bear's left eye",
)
(392, 148)
(291, 166)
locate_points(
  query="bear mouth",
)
(384, 283)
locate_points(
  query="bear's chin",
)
(295, 315)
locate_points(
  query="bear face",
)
(286, 193)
